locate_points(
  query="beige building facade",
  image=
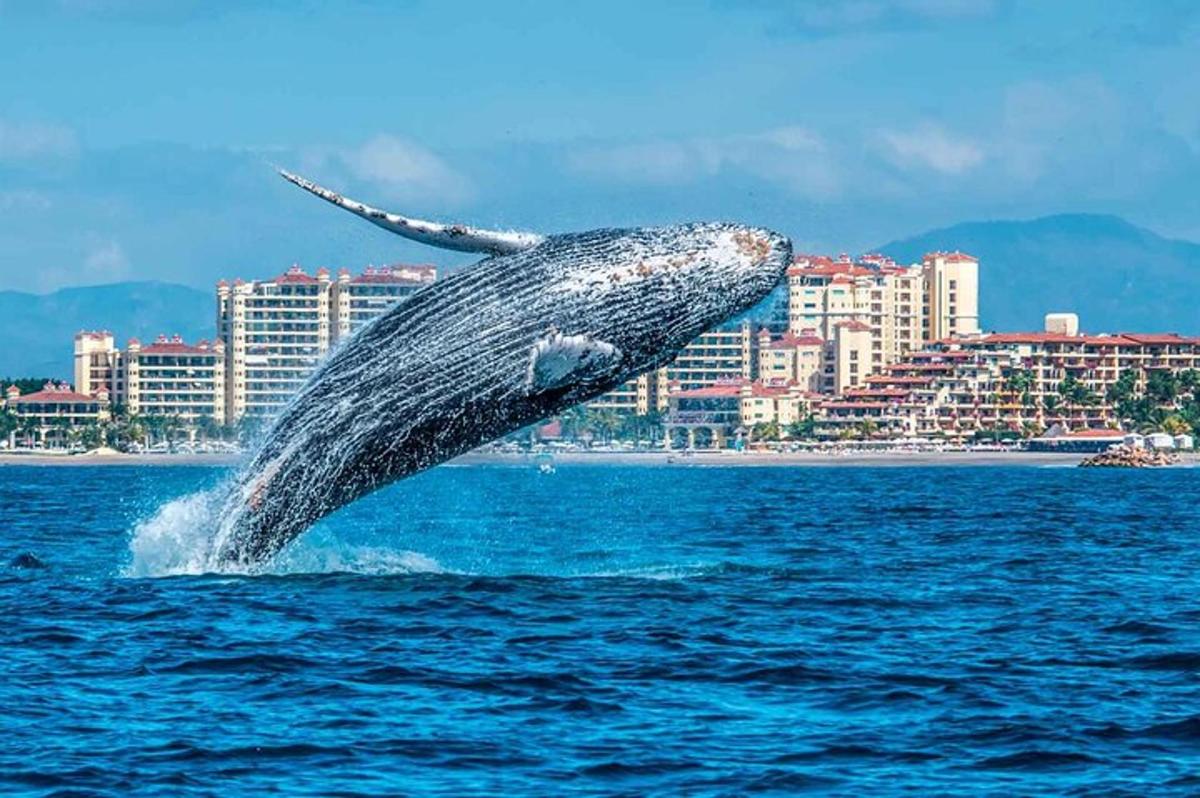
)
(274, 332)
(171, 378)
(951, 295)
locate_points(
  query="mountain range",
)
(1115, 275)
(38, 330)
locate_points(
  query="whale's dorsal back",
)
(458, 237)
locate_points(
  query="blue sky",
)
(136, 137)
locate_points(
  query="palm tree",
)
(803, 429)
(8, 426)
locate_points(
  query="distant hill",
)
(1115, 275)
(38, 330)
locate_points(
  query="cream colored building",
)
(792, 358)
(850, 363)
(713, 415)
(171, 378)
(644, 394)
(951, 295)
(890, 299)
(48, 417)
(357, 299)
(98, 364)
(716, 356)
(274, 332)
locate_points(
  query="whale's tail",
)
(447, 236)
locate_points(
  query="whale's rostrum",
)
(547, 323)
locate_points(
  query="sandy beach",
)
(658, 459)
(643, 458)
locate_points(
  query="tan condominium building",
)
(98, 364)
(727, 353)
(357, 299)
(171, 378)
(951, 295)
(720, 355)
(643, 394)
(275, 331)
(889, 299)
(165, 378)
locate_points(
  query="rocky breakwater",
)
(1130, 457)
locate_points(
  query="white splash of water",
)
(178, 540)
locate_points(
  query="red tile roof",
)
(790, 341)
(951, 257)
(852, 405)
(898, 379)
(1094, 433)
(295, 275)
(52, 394)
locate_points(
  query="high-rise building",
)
(888, 298)
(722, 355)
(98, 364)
(275, 331)
(951, 295)
(171, 378)
(357, 299)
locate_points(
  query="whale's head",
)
(650, 291)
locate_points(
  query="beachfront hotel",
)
(276, 331)
(166, 377)
(956, 388)
(49, 417)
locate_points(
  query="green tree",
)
(8, 425)
(1020, 381)
(765, 431)
(1075, 392)
(803, 430)
(867, 428)
(1162, 387)
(1175, 424)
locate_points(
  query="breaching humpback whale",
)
(543, 323)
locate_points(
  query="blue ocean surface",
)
(607, 629)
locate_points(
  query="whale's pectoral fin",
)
(558, 360)
(458, 237)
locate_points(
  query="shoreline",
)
(650, 459)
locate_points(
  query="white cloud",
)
(105, 262)
(932, 147)
(406, 171)
(26, 140)
(794, 156)
(22, 199)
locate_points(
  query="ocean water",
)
(612, 630)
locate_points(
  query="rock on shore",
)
(1130, 457)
